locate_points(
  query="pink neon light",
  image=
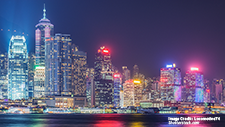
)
(194, 69)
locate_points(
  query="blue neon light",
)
(170, 65)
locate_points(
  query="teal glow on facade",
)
(18, 68)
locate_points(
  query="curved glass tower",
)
(18, 68)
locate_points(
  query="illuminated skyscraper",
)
(218, 93)
(194, 86)
(79, 68)
(170, 81)
(128, 93)
(31, 59)
(3, 76)
(44, 29)
(90, 89)
(138, 88)
(135, 72)
(39, 82)
(18, 68)
(126, 73)
(58, 68)
(103, 78)
(117, 88)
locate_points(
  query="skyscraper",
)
(126, 73)
(103, 78)
(135, 72)
(138, 88)
(117, 88)
(79, 68)
(31, 62)
(218, 93)
(44, 29)
(128, 93)
(18, 68)
(58, 67)
(39, 82)
(3, 75)
(90, 88)
(194, 86)
(170, 81)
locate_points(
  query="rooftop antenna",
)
(44, 10)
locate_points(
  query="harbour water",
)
(104, 120)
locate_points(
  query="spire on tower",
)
(44, 15)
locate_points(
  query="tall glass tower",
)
(79, 68)
(44, 29)
(18, 68)
(58, 67)
(103, 78)
(117, 88)
(3, 75)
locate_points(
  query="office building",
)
(39, 82)
(79, 68)
(103, 78)
(18, 68)
(128, 93)
(31, 63)
(135, 72)
(58, 65)
(43, 30)
(194, 86)
(218, 93)
(126, 74)
(117, 88)
(90, 88)
(170, 81)
(3, 76)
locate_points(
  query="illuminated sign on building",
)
(194, 69)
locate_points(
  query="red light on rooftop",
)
(194, 69)
(208, 90)
(105, 51)
(116, 75)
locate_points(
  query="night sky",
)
(148, 33)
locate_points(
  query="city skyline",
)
(133, 36)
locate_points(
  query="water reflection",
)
(109, 123)
(137, 124)
(100, 120)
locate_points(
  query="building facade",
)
(43, 30)
(103, 78)
(170, 81)
(128, 93)
(58, 65)
(194, 86)
(39, 82)
(126, 74)
(3, 76)
(117, 88)
(31, 63)
(18, 68)
(90, 88)
(79, 68)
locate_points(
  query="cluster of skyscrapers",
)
(58, 68)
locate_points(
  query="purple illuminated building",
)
(193, 86)
(170, 81)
